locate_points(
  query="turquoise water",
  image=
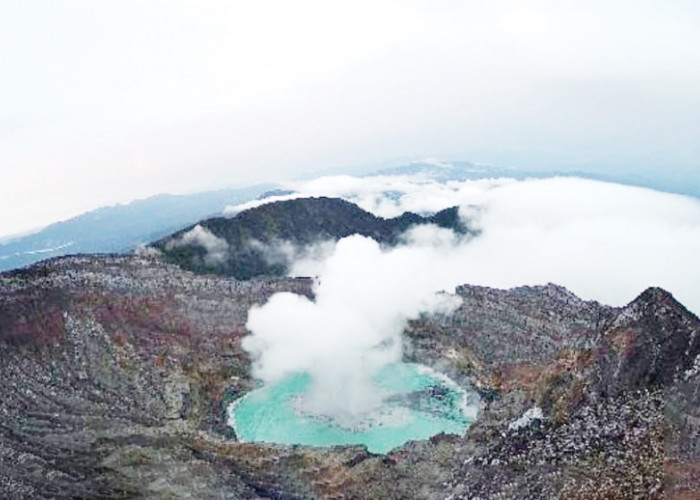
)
(417, 403)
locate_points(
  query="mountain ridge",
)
(120, 228)
(143, 221)
(299, 222)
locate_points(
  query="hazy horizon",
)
(106, 102)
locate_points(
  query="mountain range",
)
(123, 228)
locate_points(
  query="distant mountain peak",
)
(651, 342)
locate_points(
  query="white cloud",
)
(386, 196)
(603, 241)
(217, 248)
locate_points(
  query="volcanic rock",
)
(117, 370)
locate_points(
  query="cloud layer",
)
(603, 241)
(386, 196)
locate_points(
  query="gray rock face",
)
(116, 371)
(650, 343)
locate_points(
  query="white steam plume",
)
(351, 329)
(301, 259)
(603, 241)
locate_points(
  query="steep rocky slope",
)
(618, 389)
(116, 370)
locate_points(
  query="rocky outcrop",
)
(111, 365)
(116, 371)
(619, 391)
(651, 343)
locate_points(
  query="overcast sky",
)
(107, 101)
